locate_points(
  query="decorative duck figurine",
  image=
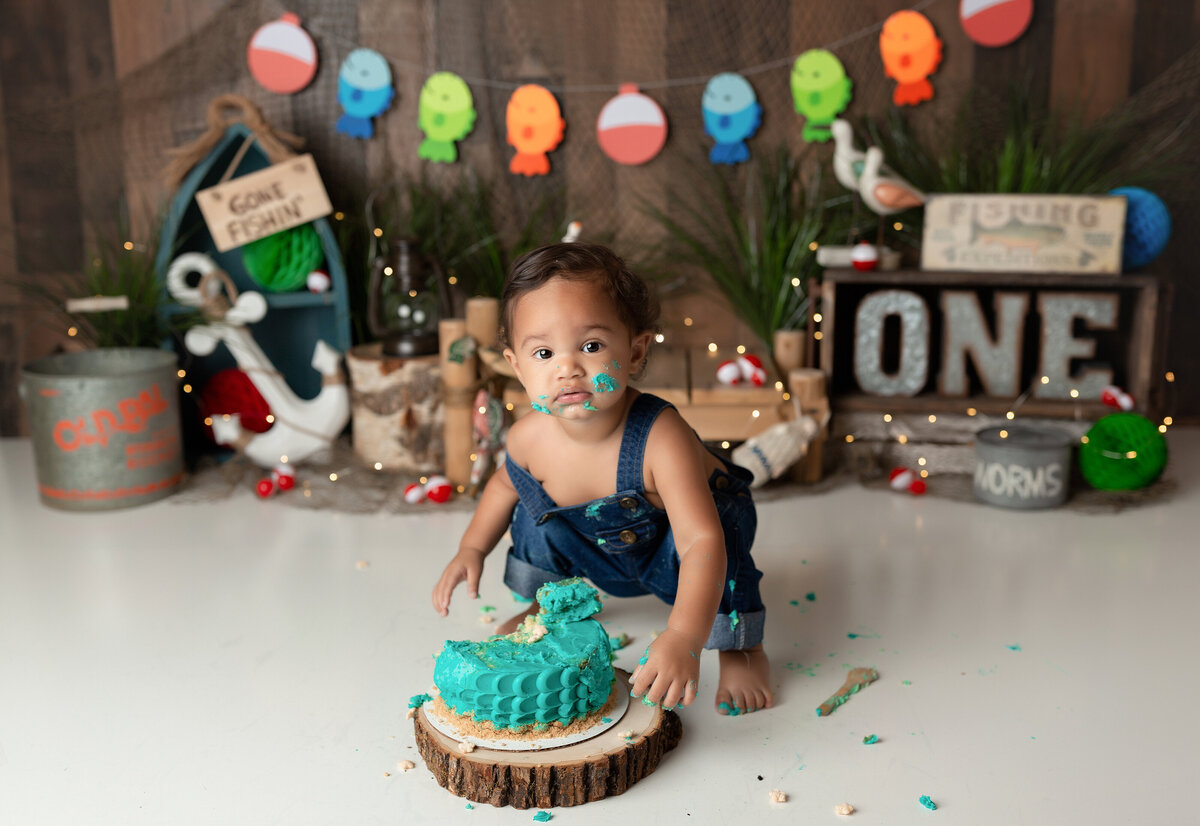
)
(848, 160)
(301, 428)
(883, 191)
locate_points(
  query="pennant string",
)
(314, 26)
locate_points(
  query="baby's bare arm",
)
(492, 517)
(676, 471)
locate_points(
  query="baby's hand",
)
(468, 565)
(667, 673)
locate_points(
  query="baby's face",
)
(571, 350)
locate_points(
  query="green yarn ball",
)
(1122, 451)
(281, 262)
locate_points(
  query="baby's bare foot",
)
(745, 682)
(514, 623)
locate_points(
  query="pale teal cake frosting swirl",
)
(555, 668)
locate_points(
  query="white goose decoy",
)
(883, 191)
(301, 428)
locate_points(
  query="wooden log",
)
(396, 410)
(789, 349)
(603, 766)
(807, 386)
(483, 321)
(458, 391)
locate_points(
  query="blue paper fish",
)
(732, 115)
(364, 92)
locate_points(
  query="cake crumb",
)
(362, 564)
(627, 734)
(844, 809)
(778, 796)
(466, 748)
(486, 618)
(387, 774)
(406, 765)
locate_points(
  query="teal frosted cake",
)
(555, 669)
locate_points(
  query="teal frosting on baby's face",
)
(604, 383)
(555, 668)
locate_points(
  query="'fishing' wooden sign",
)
(1024, 233)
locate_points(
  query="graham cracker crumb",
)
(406, 765)
(844, 809)
(362, 564)
(465, 748)
(778, 796)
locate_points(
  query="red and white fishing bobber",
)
(751, 367)
(1114, 396)
(414, 494)
(438, 489)
(864, 256)
(264, 488)
(319, 282)
(902, 478)
(729, 373)
(284, 477)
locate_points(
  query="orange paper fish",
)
(911, 52)
(535, 127)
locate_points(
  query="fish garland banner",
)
(821, 91)
(535, 129)
(446, 114)
(364, 92)
(911, 52)
(732, 114)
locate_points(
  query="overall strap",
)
(533, 495)
(642, 413)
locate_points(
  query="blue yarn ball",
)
(1147, 226)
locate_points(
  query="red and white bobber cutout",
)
(414, 494)
(1114, 396)
(729, 373)
(903, 479)
(282, 56)
(864, 256)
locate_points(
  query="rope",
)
(224, 111)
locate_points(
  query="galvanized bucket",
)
(105, 427)
(1023, 467)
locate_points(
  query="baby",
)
(609, 483)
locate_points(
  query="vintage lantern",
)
(403, 301)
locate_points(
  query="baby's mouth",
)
(572, 395)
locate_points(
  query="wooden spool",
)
(603, 766)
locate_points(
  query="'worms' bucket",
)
(1022, 467)
(105, 427)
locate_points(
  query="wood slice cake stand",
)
(593, 769)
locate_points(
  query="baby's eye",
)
(593, 347)
(542, 353)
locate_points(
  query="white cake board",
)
(449, 727)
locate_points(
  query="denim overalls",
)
(626, 546)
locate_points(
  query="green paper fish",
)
(446, 113)
(820, 90)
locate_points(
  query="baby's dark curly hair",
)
(636, 304)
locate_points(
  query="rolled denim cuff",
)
(730, 635)
(524, 579)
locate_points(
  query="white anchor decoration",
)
(302, 428)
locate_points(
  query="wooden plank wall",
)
(92, 96)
